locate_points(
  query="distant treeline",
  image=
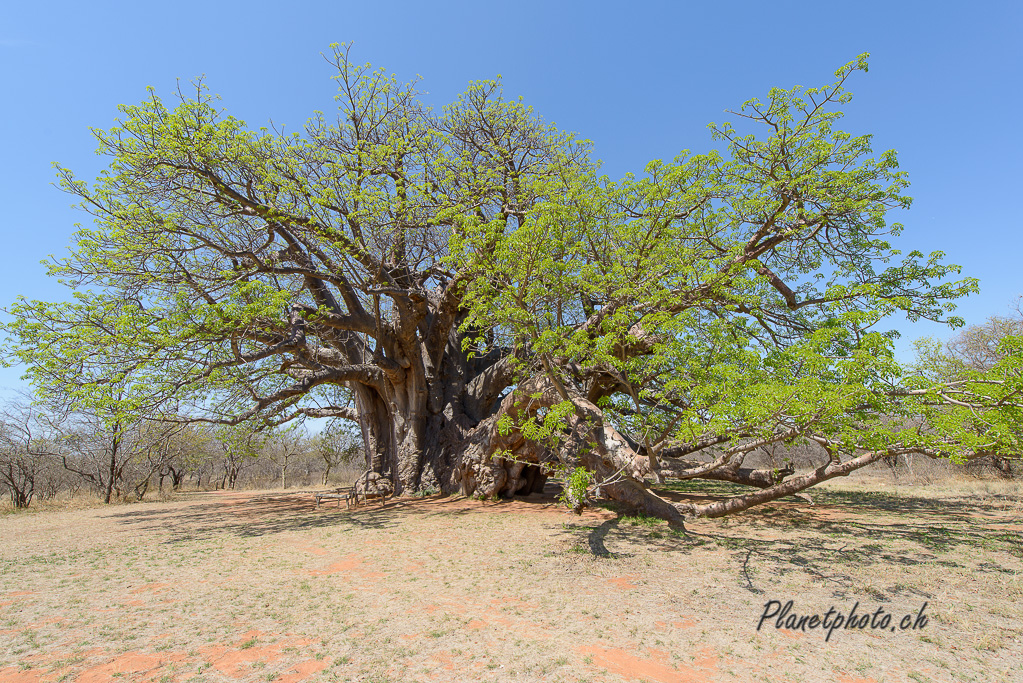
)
(48, 456)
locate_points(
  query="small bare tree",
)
(98, 451)
(338, 444)
(977, 346)
(28, 450)
(282, 449)
(183, 451)
(240, 448)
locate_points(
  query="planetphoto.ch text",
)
(784, 616)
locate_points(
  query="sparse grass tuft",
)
(642, 519)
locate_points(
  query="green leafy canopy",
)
(735, 295)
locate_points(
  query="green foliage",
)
(576, 483)
(727, 293)
(737, 295)
(204, 230)
(982, 407)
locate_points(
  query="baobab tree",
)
(486, 307)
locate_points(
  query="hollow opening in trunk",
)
(532, 480)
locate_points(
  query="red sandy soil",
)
(255, 586)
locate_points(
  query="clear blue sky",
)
(641, 80)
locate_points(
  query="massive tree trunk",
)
(439, 429)
(419, 426)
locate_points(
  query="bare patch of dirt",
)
(655, 667)
(262, 586)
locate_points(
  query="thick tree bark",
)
(427, 428)
(733, 472)
(451, 441)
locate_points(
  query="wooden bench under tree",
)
(369, 485)
(345, 493)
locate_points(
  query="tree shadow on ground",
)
(935, 524)
(830, 542)
(847, 531)
(955, 508)
(213, 514)
(217, 514)
(595, 539)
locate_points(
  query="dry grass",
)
(262, 587)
